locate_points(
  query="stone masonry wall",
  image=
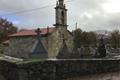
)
(21, 47)
(8, 71)
(55, 41)
(56, 70)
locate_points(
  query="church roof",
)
(44, 31)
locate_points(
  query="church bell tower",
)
(61, 14)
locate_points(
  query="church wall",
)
(54, 44)
(55, 41)
(21, 46)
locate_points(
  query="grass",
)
(26, 61)
(32, 60)
(2, 55)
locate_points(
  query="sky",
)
(90, 15)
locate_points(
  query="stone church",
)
(50, 42)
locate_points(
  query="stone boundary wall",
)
(56, 69)
(8, 71)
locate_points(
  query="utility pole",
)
(76, 26)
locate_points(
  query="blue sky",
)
(16, 20)
(89, 14)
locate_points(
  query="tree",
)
(77, 37)
(115, 39)
(92, 38)
(6, 28)
(84, 38)
(101, 49)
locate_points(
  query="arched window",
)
(62, 17)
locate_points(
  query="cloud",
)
(42, 17)
(90, 14)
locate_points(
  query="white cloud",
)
(111, 6)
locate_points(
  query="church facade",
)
(47, 43)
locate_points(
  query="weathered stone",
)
(56, 39)
(57, 70)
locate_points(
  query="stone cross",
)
(38, 31)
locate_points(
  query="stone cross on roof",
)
(38, 31)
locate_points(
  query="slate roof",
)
(44, 31)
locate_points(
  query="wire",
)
(26, 11)
(30, 10)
